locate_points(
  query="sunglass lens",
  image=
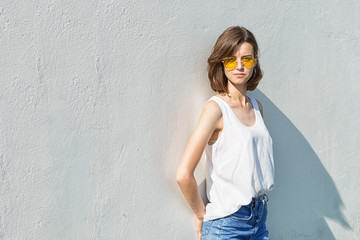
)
(248, 62)
(230, 63)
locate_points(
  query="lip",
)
(239, 74)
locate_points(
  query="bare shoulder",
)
(260, 107)
(210, 116)
(212, 110)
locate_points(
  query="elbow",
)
(183, 177)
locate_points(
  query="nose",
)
(239, 64)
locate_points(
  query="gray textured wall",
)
(98, 99)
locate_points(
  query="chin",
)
(239, 81)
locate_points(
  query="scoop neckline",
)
(232, 111)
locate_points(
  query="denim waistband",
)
(262, 197)
(259, 200)
(255, 201)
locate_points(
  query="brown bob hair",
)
(225, 46)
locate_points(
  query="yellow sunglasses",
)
(230, 63)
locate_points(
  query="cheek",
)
(250, 72)
(227, 74)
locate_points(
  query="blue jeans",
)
(248, 223)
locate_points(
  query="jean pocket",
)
(244, 214)
(206, 227)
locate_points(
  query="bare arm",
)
(192, 154)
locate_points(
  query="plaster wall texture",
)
(98, 99)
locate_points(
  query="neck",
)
(237, 93)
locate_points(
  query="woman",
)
(238, 147)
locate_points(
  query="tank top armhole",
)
(222, 108)
(214, 99)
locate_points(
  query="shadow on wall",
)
(304, 192)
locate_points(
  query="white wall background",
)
(98, 99)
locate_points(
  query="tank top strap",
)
(223, 107)
(254, 103)
(256, 107)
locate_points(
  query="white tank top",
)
(239, 165)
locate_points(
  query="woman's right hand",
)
(194, 149)
(198, 226)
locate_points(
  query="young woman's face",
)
(241, 74)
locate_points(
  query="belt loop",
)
(256, 203)
(253, 202)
